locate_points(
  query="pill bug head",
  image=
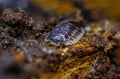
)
(55, 39)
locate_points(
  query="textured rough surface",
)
(24, 54)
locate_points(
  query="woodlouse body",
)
(65, 34)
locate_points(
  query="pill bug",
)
(65, 34)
